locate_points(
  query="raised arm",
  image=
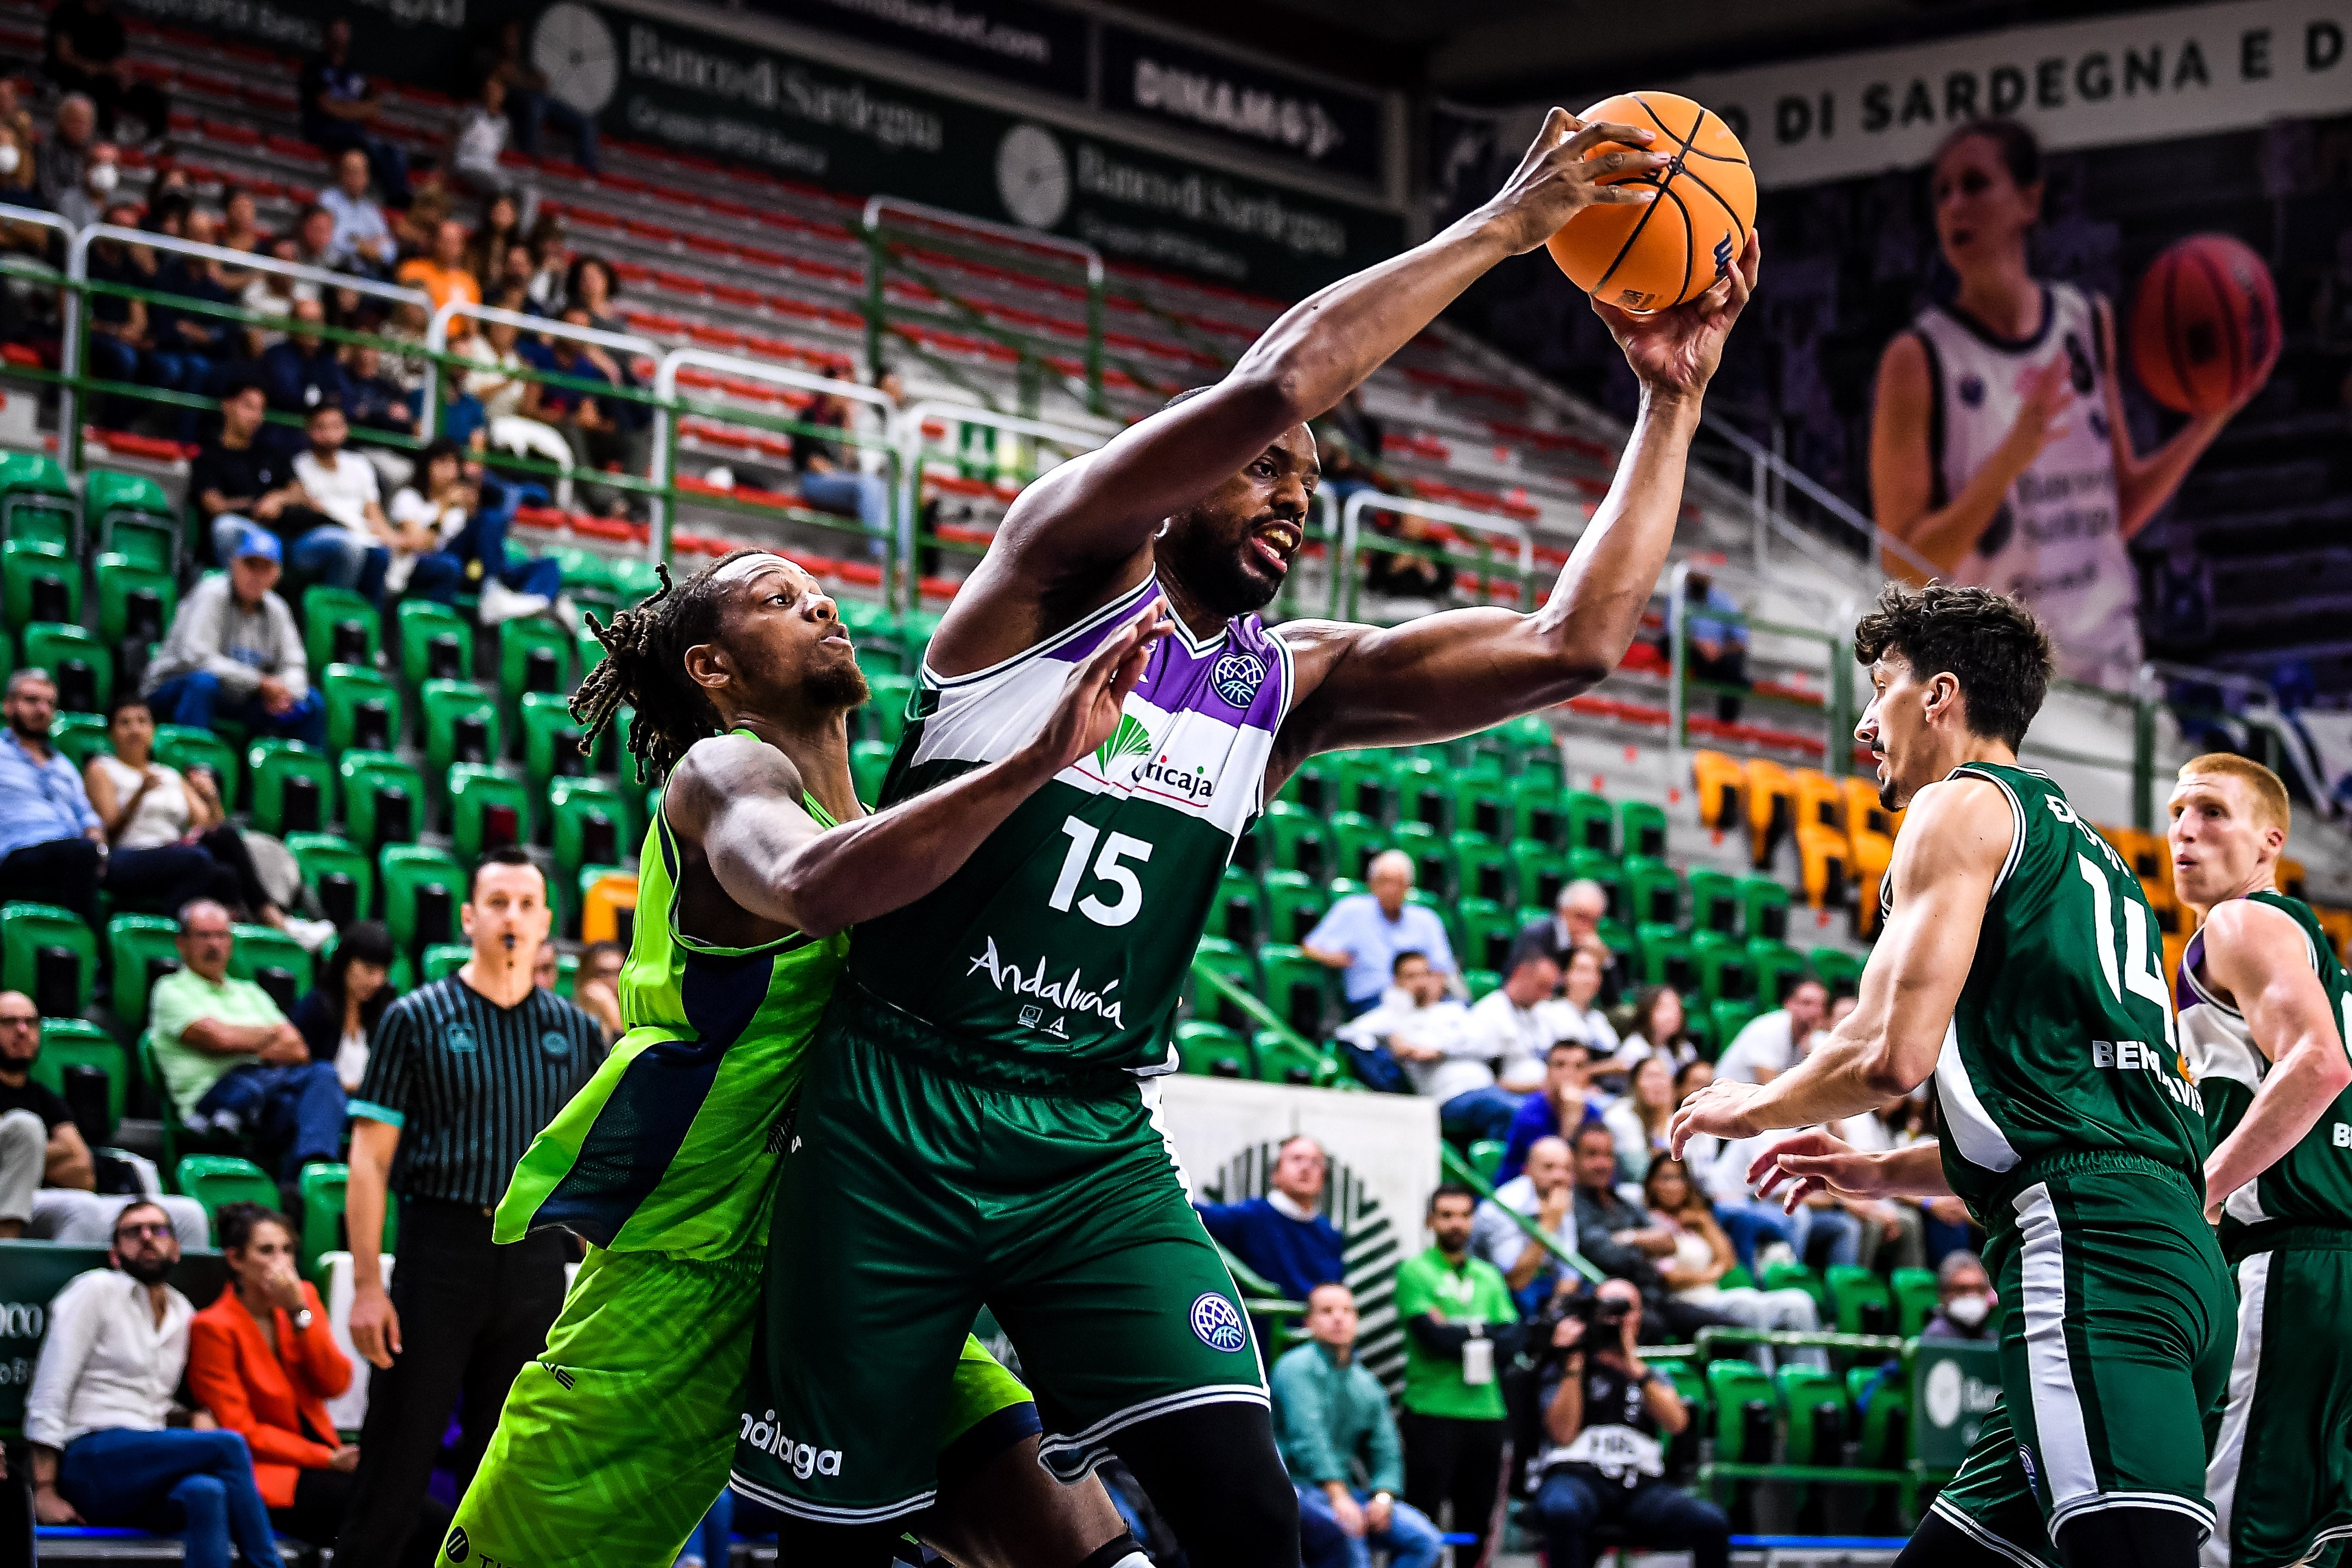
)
(740, 800)
(1902, 458)
(1458, 671)
(1082, 531)
(2143, 484)
(1953, 844)
(2261, 958)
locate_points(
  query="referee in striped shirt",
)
(461, 1076)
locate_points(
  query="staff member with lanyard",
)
(463, 1072)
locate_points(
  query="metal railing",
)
(1346, 579)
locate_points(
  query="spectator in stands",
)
(373, 398)
(1514, 1027)
(833, 476)
(499, 227)
(596, 987)
(1821, 1223)
(230, 1062)
(428, 514)
(62, 161)
(263, 1359)
(48, 1176)
(590, 286)
(511, 398)
(1362, 933)
(1623, 1239)
(337, 1016)
(442, 274)
(1894, 1229)
(476, 557)
(1399, 574)
(1460, 1326)
(1339, 1443)
(609, 433)
(478, 140)
(103, 1396)
(1607, 1414)
(241, 477)
(1660, 1029)
(1703, 1255)
(1576, 921)
(1579, 1004)
(1773, 1042)
(302, 372)
(233, 651)
(551, 265)
(52, 845)
(1413, 1038)
(1544, 1192)
(340, 111)
(341, 490)
(1717, 635)
(1964, 1301)
(169, 839)
(502, 55)
(362, 239)
(1638, 1121)
(85, 51)
(116, 342)
(1283, 1235)
(1564, 1104)
(19, 175)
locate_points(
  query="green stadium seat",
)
(1356, 841)
(1539, 871)
(1538, 811)
(1485, 1156)
(133, 940)
(1531, 746)
(1212, 1050)
(587, 579)
(869, 765)
(424, 625)
(1886, 1421)
(916, 630)
(886, 709)
(574, 805)
(1721, 963)
(1745, 1412)
(448, 710)
(1714, 901)
(37, 502)
(1481, 983)
(1839, 970)
(324, 1189)
(1775, 966)
(1432, 857)
(216, 1181)
(1283, 1059)
(444, 959)
(1860, 1298)
(1788, 1276)
(635, 581)
(184, 747)
(133, 516)
(1488, 753)
(72, 1043)
(271, 765)
(1314, 788)
(1239, 911)
(1484, 806)
(1590, 823)
(1819, 1416)
(1481, 868)
(1608, 875)
(80, 735)
(1663, 957)
(1298, 840)
(1368, 784)
(1296, 986)
(1232, 962)
(1294, 905)
(1916, 1298)
(1763, 908)
(611, 753)
(27, 930)
(550, 736)
(326, 612)
(1728, 1019)
(1641, 829)
(1424, 793)
(518, 641)
(121, 583)
(364, 776)
(1447, 910)
(1487, 932)
(1654, 892)
(406, 870)
(328, 860)
(55, 646)
(38, 579)
(475, 791)
(866, 618)
(347, 690)
(259, 948)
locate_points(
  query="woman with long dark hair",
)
(337, 1017)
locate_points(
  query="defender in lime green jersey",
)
(2021, 970)
(613, 1443)
(2265, 1008)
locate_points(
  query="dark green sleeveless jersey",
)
(2062, 1042)
(2312, 1184)
(674, 1146)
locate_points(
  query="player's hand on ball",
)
(1721, 1108)
(1676, 351)
(1556, 181)
(1096, 692)
(1804, 1165)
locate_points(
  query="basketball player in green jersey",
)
(981, 1118)
(2264, 1006)
(2020, 969)
(613, 1443)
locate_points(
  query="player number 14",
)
(1108, 868)
(2139, 976)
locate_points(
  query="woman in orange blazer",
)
(264, 1362)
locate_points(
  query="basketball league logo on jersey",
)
(1237, 677)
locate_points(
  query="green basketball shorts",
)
(613, 1444)
(2281, 1478)
(2117, 1319)
(922, 1180)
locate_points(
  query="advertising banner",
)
(1036, 46)
(1270, 112)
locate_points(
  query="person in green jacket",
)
(1338, 1441)
(1461, 1330)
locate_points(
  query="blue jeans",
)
(295, 1115)
(1654, 1515)
(331, 554)
(440, 575)
(533, 112)
(1411, 1540)
(1751, 1224)
(198, 1482)
(864, 495)
(1479, 1113)
(195, 698)
(709, 1540)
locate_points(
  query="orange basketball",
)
(2205, 327)
(1657, 255)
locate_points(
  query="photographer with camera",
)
(1607, 1416)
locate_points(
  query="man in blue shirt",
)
(52, 846)
(1717, 633)
(1564, 1105)
(1284, 1236)
(1364, 932)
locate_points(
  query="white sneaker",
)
(312, 934)
(566, 613)
(500, 602)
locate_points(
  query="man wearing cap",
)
(234, 652)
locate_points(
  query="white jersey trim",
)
(2016, 817)
(2230, 1443)
(2071, 1478)
(1977, 1531)
(1980, 1139)
(1125, 601)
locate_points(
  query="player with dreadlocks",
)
(616, 1441)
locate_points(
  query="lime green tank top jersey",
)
(2062, 1042)
(674, 1146)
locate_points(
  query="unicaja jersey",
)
(1066, 935)
(2312, 1184)
(2053, 544)
(2062, 1042)
(673, 1146)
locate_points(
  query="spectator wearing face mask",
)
(1964, 1301)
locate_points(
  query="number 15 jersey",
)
(2062, 1042)
(1068, 934)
